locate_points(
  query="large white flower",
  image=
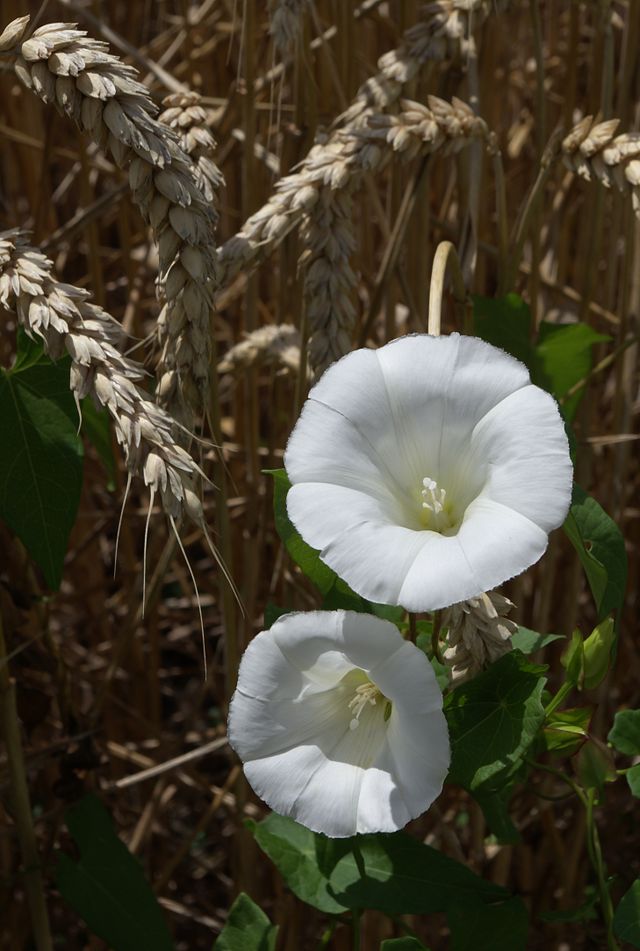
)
(428, 471)
(339, 723)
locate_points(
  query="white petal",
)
(326, 447)
(438, 575)
(523, 442)
(372, 558)
(498, 543)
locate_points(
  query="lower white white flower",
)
(338, 721)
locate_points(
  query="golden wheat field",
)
(204, 206)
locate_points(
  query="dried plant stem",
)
(446, 254)
(32, 870)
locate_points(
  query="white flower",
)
(339, 723)
(429, 471)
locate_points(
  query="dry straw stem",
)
(63, 317)
(84, 81)
(478, 633)
(275, 345)
(593, 151)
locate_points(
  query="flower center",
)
(363, 695)
(437, 515)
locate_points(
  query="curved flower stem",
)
(33, 880)
(445, 253)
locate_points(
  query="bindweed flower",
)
(428, 471)
(339, 723)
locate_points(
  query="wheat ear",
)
(286, 17)
(185, 114)
(593, 151)
(342, 161)
(64, 319)
(275, 345)
(442, 33)
(83, 80)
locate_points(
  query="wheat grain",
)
(593, 151)
(478, 633)
(64, 319)
(83, 80)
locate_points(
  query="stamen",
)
(437, 514)
(364, 694)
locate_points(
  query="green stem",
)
(595, 854)
(555, 702)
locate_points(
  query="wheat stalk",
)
(64, 319)
(83, 80)
(593, 151)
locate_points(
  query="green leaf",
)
(272, 612)
(563, 357)
(626, 920)
(587, 911)
(506, 323)
(41, 458)
(495, 809)
(398, 875)
(600, 547)
(407, 943)
(96, 424)
(624, 735)
(478, 927)
(106, 885)
(633, 780)
(294, 851)
(566, 730)
(529, 641)
(493, 721)
(597, 653)
(572, 659)
(247, 928)
(595, 766)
